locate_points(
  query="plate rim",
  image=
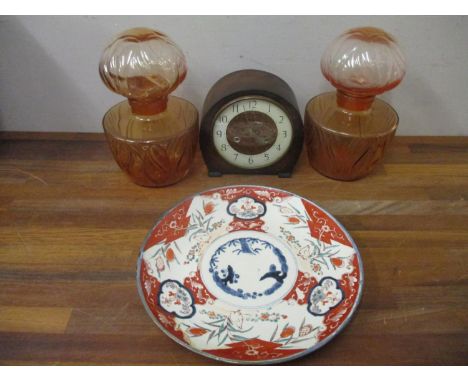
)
(304, 353)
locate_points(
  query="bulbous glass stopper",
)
(145, 66)
(362, 63)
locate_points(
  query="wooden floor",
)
(71, 224)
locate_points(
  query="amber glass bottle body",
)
(154, 150)
(344, 144)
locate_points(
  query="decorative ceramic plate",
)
(249, 274)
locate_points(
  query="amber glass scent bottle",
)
(347, 130)
(152, 135)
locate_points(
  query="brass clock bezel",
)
(267, 99)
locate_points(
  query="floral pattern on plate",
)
(249, 274)
(246, 208)
(325, 296)
(174, 298)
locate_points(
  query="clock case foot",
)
(217, 174)
(214, 174)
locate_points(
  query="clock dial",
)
(252, 132)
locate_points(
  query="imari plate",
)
(249, 274)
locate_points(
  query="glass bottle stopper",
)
(362, 63)
(145, 66)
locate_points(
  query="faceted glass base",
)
(155, 150)
(347, 145)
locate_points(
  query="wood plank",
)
(440, 349)
(105, 349)
(49, 136)
(69, 293)
(14, 319)
(386, 222)
(427, 169)
(413, 238)
(71, 225)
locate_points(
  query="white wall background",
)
(49, 79)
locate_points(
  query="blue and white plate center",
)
(248, 269)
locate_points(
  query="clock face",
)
(252, 132)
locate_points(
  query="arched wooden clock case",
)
(267, 102)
